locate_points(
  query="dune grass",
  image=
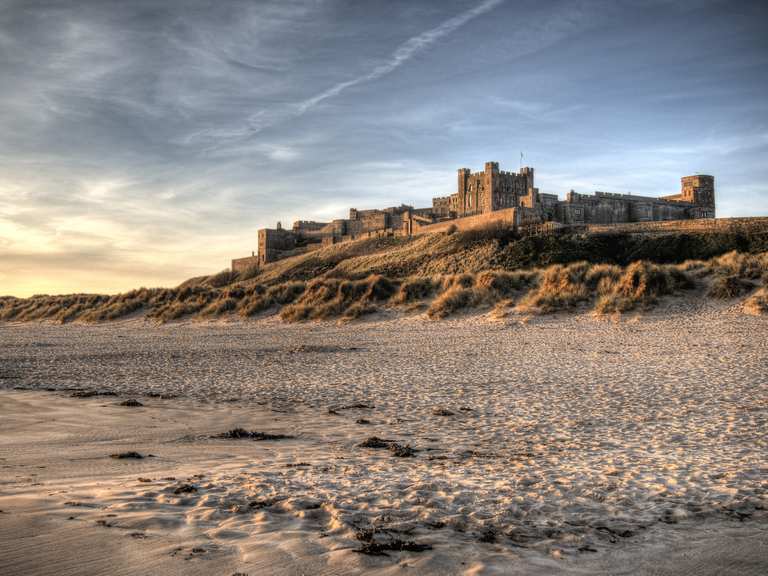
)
(605, 288)
(730, 286)
(757, 303)
(640, 285)
(446, 273)
(334, 297)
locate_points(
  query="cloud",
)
(402, 54)
(282, 153)
(263, 119)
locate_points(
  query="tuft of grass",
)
(379, 288)
(333, 297)
(641, 284)
(730, 286)
(757, 304)
(255, 304)
(451, 301)
(222, 278)
(321, 299)
(120, 305)
(359, 309)
(414, 289)
(560, 288)
(503, 284)
(220, 307)
(502, 309)
(740, 264)
(286, 292)
(464, 280)
(248, 273)
(179, 310)
(695, 268)
(185, 301)
(602, 274)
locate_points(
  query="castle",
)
(492, 194)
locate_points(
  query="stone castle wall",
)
(606, 208)
(754, 225)
(242, 264)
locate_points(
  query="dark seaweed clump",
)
(377, 542)
(242, 433)
(131, 403)
(127, 455)
(398, 450)
(185, 489)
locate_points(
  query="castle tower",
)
(527, 171)
(463, 181)
(490, 187)
(462, 190)
(699, 189)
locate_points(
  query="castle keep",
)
(490, 195)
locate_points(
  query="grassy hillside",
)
(447, 272)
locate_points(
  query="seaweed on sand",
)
(242, 433)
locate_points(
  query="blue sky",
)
(142, 143)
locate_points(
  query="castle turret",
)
(699, 189)
(490, 187)
(527, 171)
(461, 190)
(463, 179)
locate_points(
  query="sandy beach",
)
(562, 444)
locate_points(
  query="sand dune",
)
(563, 444)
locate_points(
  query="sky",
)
(143, 143)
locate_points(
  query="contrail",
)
(263, 119)
(404, 52)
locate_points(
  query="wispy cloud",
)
(402, 54)
(263, 119)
